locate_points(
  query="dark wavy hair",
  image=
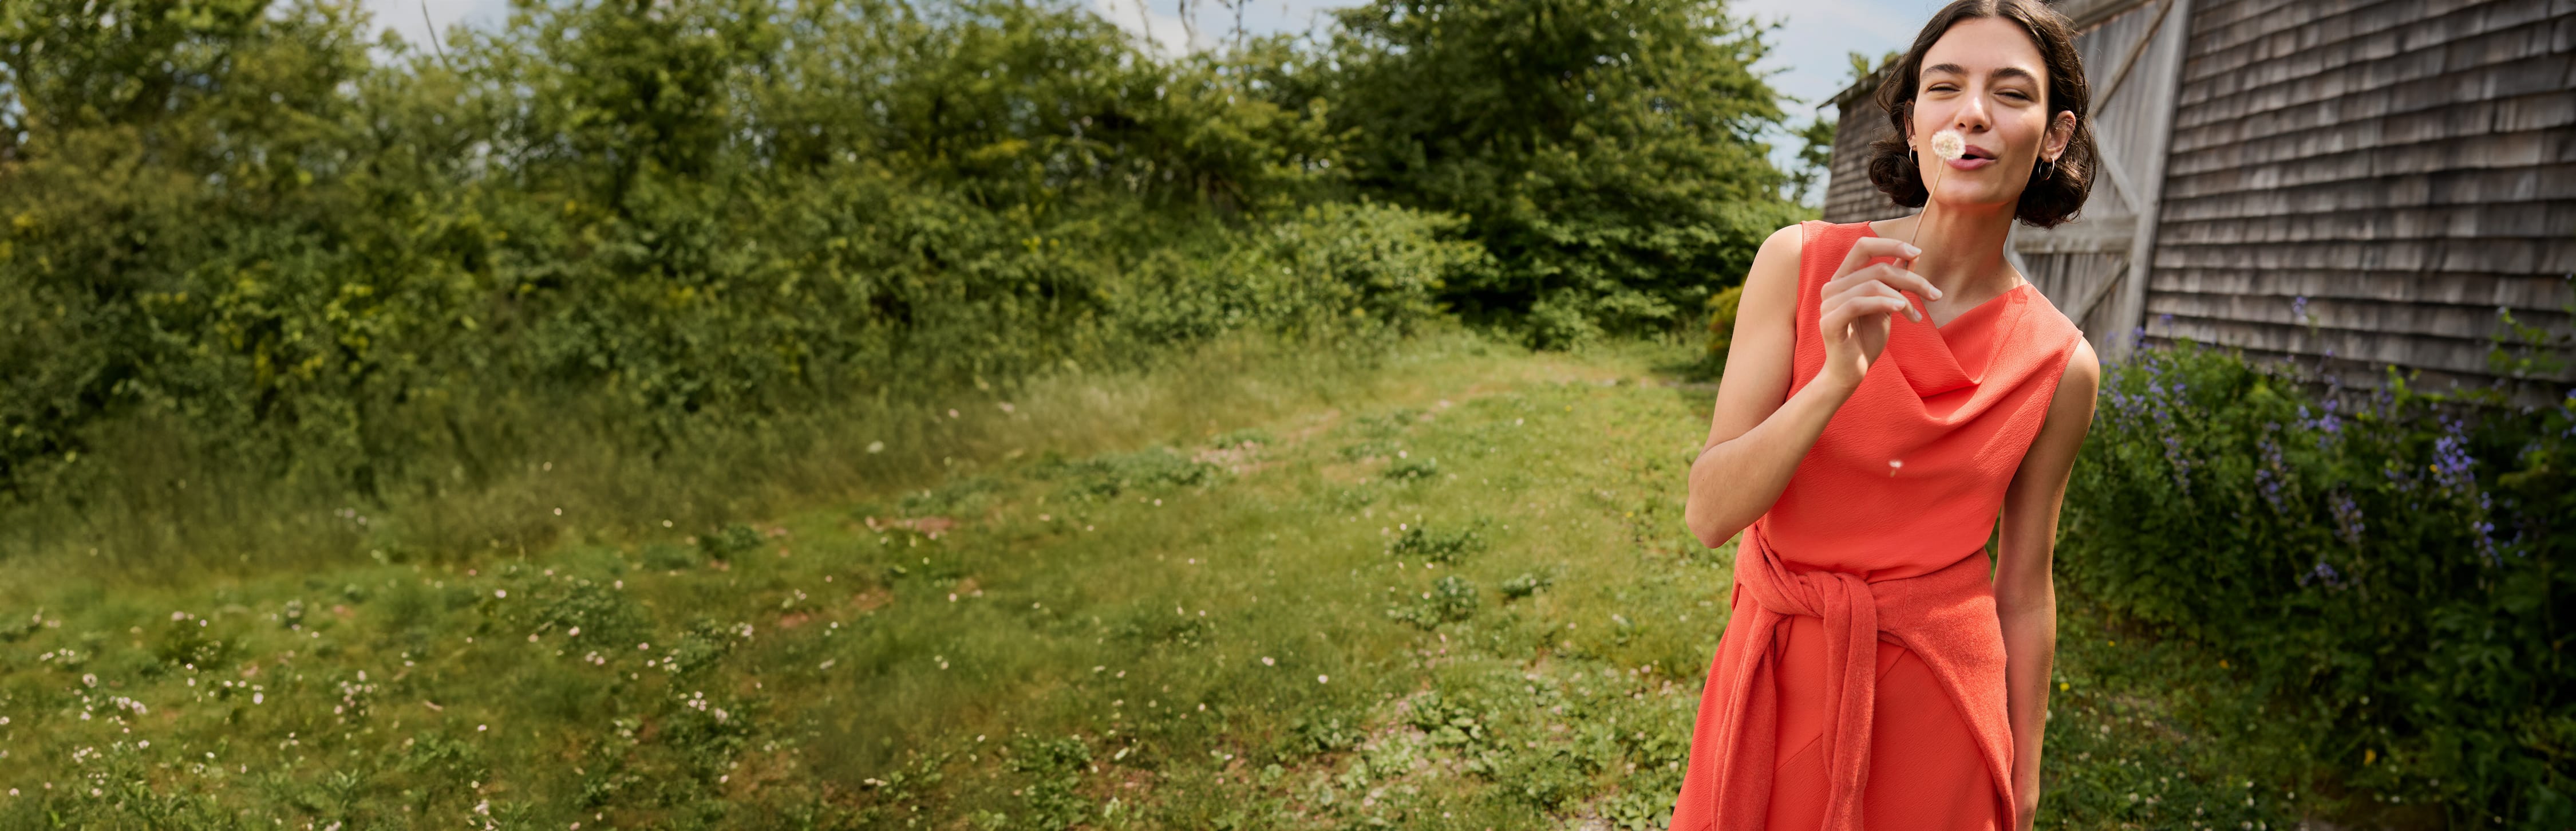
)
(2045, 202)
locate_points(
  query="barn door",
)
(2094, 268)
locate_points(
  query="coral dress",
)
(1860, 681)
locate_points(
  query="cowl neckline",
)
(1951, 357)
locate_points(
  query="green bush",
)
(233, 244)
(2387, 567)
(1607, 154)
(1721, 322)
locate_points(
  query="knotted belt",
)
(1946, 617)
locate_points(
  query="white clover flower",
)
(1948, 144)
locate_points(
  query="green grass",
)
(1447, 589)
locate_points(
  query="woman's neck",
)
(1963, 250)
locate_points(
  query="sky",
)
(1807, 60)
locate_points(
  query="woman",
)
(1894, 387)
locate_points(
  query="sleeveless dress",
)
(1860, 680)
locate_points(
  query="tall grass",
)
(164, 509)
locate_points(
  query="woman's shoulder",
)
(1778, 263)
(2045, 320)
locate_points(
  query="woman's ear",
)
(2061, 131)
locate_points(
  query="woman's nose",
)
(1971, 114)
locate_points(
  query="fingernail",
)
(1912, 251)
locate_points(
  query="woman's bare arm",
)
(2025, 591)
(1759, 432)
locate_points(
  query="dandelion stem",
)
(1927, 206)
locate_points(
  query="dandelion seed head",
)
(1948, 144)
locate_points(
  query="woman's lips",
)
(1968, 163)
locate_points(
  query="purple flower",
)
(2272, 477)
(2348, 524)
(2451, 459)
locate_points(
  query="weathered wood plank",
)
(2498, 256)
(2530, 220)
(2245, 193)
(2467, 323)
(2521, 63)
(2460, 355)
(2538, 292)
(2293, 159)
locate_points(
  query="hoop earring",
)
(2052, 170)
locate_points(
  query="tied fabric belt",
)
(1946, 617)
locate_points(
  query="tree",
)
(1606, 152)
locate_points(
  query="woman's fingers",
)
(1900, 278)
(1890, 274)
(1871, 248)
(1839, 315)
(1873, 288)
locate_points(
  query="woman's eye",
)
(2015, 94)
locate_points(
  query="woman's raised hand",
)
(1853, 313)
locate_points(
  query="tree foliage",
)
(303, 248)
(1607, 153)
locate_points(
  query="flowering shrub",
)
(2382, 564)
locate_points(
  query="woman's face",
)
(1985, 79)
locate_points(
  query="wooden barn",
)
(2347, 184)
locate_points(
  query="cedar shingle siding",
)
(2407, 167)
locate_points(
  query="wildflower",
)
(2274, 472)
(1321, 679)
(873, 447)
(1265, 661)
(2348, 524)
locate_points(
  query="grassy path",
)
(1461, 598)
